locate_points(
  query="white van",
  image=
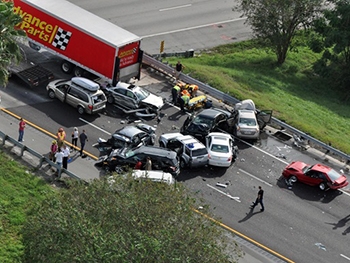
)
(155, 176)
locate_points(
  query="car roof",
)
(128, 131)
(156, 151)
(247, 114)
(125, 85)
(191, 142)
(85, 83)
(321, 168)
(213, 112)
(219, 136)
(156, 176)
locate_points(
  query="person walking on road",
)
(148, 165)
(61, 136)
(259, 200)
(178, 69)
(66, 154)
(75, 136)
(22, 125)
(83, 139)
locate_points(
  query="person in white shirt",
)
(59, 157)
(66, 153)
(75, 136)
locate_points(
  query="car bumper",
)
(100, 109)
(219, 163)
(336, 187)
(247, 136)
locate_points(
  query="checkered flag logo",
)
(61, 39)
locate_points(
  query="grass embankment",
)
(19, 190)
(292, 91)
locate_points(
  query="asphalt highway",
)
(302, 224)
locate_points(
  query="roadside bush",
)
(123, 221)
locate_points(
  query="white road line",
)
(228, 195)
(194, 27)
(257, 148)
(255, 177)
(344, 192)
(175, 7)
(344, 256)
(93, 125)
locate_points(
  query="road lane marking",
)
(228, 195)
(175, 7)
(95, 126)
(253, 176)
(345, 257)
(257, 148)
(194, 27)
(256, 243)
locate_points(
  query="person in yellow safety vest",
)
(61, 136)
(192, 89)
(185, 92)
(175, 93)
(184, 101)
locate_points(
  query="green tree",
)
(333, 39)
(276, 21)
(124, 221)
(9, 49)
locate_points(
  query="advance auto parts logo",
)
(36, 28)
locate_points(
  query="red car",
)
(321, 175)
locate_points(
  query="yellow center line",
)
(46, 132)
(244, 237)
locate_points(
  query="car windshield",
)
(140, 93)
(199, 152)
(247, 121)
(307, 168)
(203, 120)
(219, 148)
(129, 153)
(333, 175)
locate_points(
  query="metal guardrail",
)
(42, 159)
(227, 99)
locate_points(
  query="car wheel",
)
(161, 144)
(110, 99)
(81, 110)
(182, 164)
(118, 169)
(51, 94)
(78, 72)
(323, 186)
(67, 67)
(293, 179)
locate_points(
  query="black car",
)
(205, 122)
(120, 159)
(128, 136)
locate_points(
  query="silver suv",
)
(81, 93)
(191, 152)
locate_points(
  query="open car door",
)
(263, 117)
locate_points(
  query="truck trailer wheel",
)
(78, 72)
(67, 67)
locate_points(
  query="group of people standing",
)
(60, 153)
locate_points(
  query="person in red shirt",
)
(22, 125)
